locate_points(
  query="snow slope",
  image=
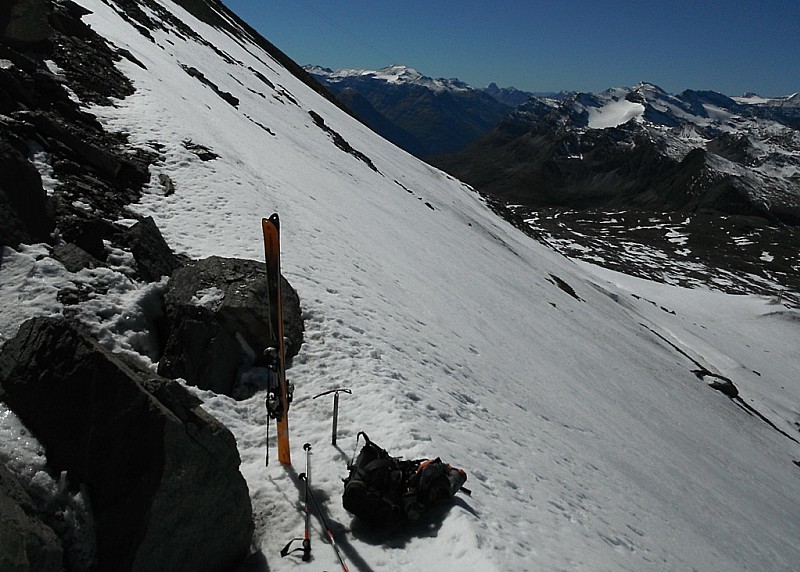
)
(559, 388)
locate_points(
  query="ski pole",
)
(336, 393)
(306, 537)
(306, 547)
(327, 528)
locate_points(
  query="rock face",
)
(25, 21)
(26, 542)
(208, 303)
(98, 173)
(24, 213)
(155, 465)
(154, 258)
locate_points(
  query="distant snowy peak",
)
(396, 74)
(755, 99)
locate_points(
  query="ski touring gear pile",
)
(381, 488)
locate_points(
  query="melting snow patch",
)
(208, 297)
(26, 459)
(54, 68)
(19, 450)
(676, 237)
(41, 160)
(82, 205)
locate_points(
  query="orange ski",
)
(280, 409)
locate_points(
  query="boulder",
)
(27, 544)
(154, 464)
(201, 351)
(74, 258)
(153, 256)
(24, 22)
(218, 321)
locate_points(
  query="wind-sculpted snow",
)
(588, 441)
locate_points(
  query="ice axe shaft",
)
(336, 393)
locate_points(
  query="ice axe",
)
(336, 393)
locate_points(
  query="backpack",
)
(381, 488)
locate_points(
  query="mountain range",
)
(643, 147)
(423, 115)
(698, 150)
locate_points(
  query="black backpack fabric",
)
(381, 488)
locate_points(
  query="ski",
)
(278, 392)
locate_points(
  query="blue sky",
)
(730, 46)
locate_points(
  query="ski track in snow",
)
(588, 442)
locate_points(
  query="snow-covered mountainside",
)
(579, 401)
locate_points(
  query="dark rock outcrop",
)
(25, 216)
(208, 304)
(201, 351)
(25, 22)
(154, 258)
(74, 258)
(98, 173)
(26, 542)
(155, 465)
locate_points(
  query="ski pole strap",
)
(306, 548)
(286, 550)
